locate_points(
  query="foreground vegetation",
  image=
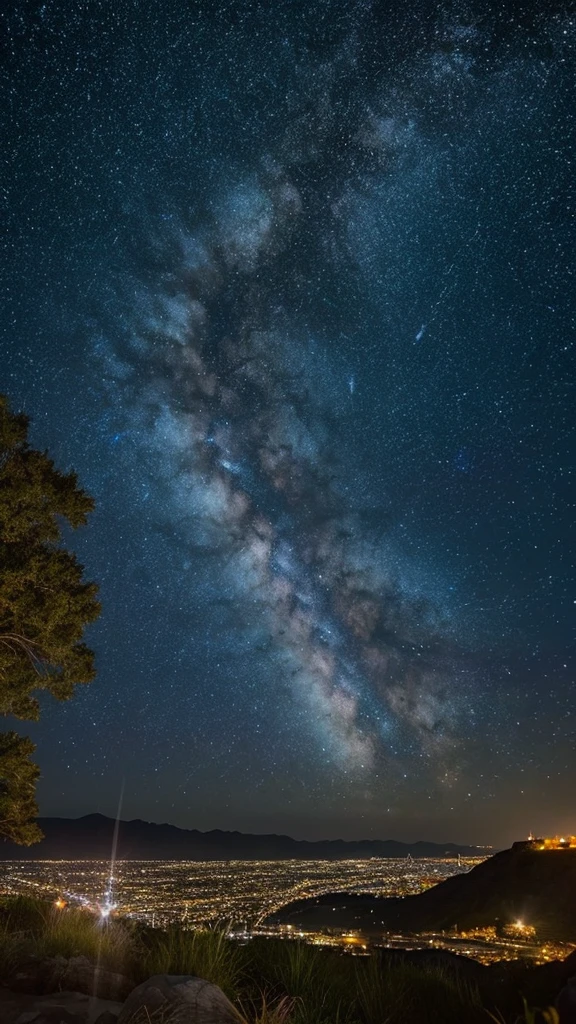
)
(270, 981)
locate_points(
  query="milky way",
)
(247, 445)
(312, 283)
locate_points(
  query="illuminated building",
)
(553, 842)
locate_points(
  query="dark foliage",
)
(44, 606)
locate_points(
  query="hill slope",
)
(537, 887)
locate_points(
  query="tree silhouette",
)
(44, 607)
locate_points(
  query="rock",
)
(56, 1014)
(38, 975)
(187, 1000)
(78, 974)
(69, 1007)
(106, 1018)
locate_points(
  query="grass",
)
(77, 933)
(297, 982)
(11, 949)
(398, 992)
(278, 1011)
(269, 981)
(531, 1015)
(206, 953)
(34, 928)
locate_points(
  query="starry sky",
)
(291, 286)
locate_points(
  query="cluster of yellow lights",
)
(555, 843)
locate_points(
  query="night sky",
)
(291, 286)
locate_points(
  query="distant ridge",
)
(90, 838)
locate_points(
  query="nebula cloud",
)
(241, 409)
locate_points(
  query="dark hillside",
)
(535, 886)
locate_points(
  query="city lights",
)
(243, 896)
(197, 893)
